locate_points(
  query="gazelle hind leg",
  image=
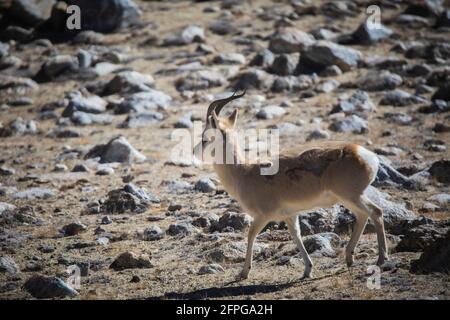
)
(364, 204)
(358, 228)
(257, 225)
(294, 230)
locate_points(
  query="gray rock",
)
(210, 220)
(57, 66)
(102, 16)
(116, 150)
(85, 119)
(284, 64)
(130, 260)
(435, 258)
(142, 119)
(253, 79)
(210, 269)
(351, 123)
(150, 100)
(289, 40)
(141, 193)
(205, 185)
(393, 213)
(229, 58)
(444, 19)
(399, 118)
(5, 171)
(317, 134)
(34, 193)
(8, 265)
(443, 199)
(328, 86)
(263, 59)
(42, 287)
(400, 98)
(198, 80)
(185, 36)
(185, 121)
(236, 221)
(368, 34)
(358, 103)
(4, 206)
(25, 13)
(419, 238)
(153, 233)
(379, 81)
(322, 243)
(73, 229)
(270, 112)
(223, 27)
(92, 104)
(106, 220)
(180, 229)
(17, 84)
(442, 93)
(129, 82)
(19, 127)
(440, 170)
(232, 252)
(324, 53)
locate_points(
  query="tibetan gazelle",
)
(318, 175)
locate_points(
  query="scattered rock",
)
(233, 220)
(153, 233)
(322, 243)
(130, 260)
(8, 265)
(150, 100)
(351, 123)
(323, 54)
(198, 80)
(205, 185)
(358, 103)
(289, 40)
(210, 269)
(116, 150)
(379, 81)
(180, 229)
(369, 34)
(34, 193)
(270, 112)
(73, 229)
(129, 82)
(440, 170)
(435, 258)
(48, 287)
(142, 119)
(400, 98)
(185, 36)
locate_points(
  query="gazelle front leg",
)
(294, 230)
(257, 225)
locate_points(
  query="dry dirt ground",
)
(176, 260)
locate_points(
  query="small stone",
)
(8, 265)
(270, 112)
(48, 287)
(106, 220)
(73, 229)
(205, 185)
(153, 233)
(210, 269)
(289, 40)
(351, 123)
(318, 134)
(182, 229)
(130, 260)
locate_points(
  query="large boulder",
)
(323, 54)
(116, 150)
(289, 40)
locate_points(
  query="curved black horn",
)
(218, 105)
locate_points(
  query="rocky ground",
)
(86, 176)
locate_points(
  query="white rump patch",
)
(370, 158)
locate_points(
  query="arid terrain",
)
(86, 123)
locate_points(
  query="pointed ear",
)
(232, 118)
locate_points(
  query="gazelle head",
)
(219, 134)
